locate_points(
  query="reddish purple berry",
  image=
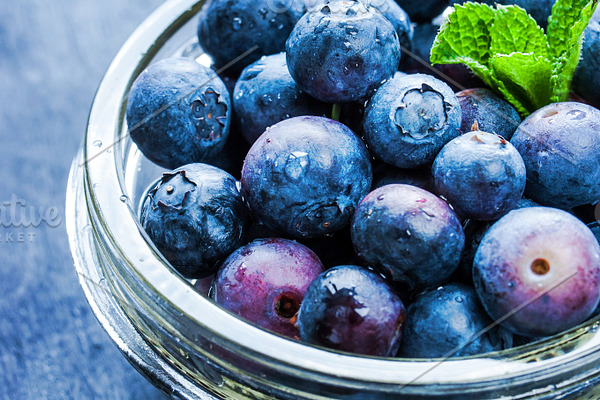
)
(543, 265)
(265, 281)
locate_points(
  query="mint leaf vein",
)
(506, 48)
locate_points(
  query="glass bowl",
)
(193, 349)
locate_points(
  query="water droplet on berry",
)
(377, 36)
(296, 165)
(428, 214)
(331, 288)
(331, 76)
(321, 26)
(266, 100)
(362, 311)
(577, 114)
(237, 23)
(351, 30)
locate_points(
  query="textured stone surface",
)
(52, 57)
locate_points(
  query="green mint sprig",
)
(506, 48)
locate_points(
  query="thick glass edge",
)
(116, 324)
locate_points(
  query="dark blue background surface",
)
(52, 57)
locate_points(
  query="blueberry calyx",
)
(426, 102)
(208, 109)
(540, 266)
(328, 213)
(175, 194)
(287, 305)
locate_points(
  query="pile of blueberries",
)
(326, 184)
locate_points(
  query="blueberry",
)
(481, 174)
(542, 265)
(305, 176)
(448, 321)
(195, 216)
(399, 19)
(492, 114)
(560, 144)
(395, 14)
(352, 309)
(178, 112)
(228, 29)
(586, 81)
(423, 10)
(342, 51)
(410, 233)
(410, 119)
(265, 282)
(265, 94)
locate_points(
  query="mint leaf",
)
(566, 24)
(514, 30)
(562, 77)
(524, 80)
(565, 28)
(464, 38)
(506, 48)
